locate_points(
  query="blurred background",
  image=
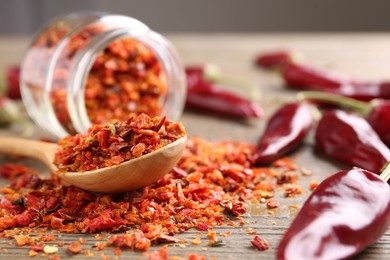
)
(25, 16)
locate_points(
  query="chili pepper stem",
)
(213, 73)
(360, 107)
(385, 175)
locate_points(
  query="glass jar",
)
(93, 68)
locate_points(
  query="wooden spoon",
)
(129, 175)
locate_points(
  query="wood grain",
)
(365, 56)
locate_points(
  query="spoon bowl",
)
(129, 175)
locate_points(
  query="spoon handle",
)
(37, 149)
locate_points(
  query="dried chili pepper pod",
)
(376, 112)
(305, 77)
(273, 59)
(9, 82)
(208, 95)
(349, 138)
(347, 212)
(285, 130)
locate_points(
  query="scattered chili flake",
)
(117, 251)
(192, 195)
(22, 240)
(273, 204)
(250, 231)
(292, 190)
(234, 207)
(226, 234)
(88, 253)
(260, 243)
(212, 236)
(61, 243)
(287, 177)
(313, 185)
(32, 253)
(111, 144)
(196, 241)
(161, 254)
(196, 257)
(285, 162)
(74, 247)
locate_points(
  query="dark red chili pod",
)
(349, 138)
(12, 82)
(379, 119)
(376, 112)
(9, 82)
(206, 95)
(273, 59)
(305, 77)
(285, 130)
(347, 212)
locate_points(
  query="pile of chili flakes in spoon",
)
(209, 187)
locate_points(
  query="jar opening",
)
(124, 79)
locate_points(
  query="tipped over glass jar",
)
(92, 68)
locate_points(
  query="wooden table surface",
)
(365, 56)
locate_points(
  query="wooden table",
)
(362, 55)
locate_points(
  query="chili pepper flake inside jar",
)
(125, 80)
(92, 68)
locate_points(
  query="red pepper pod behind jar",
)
(346, 213)
(208, 96)
(285, 130)
(10, 83)
(350, 139)
(273, 59)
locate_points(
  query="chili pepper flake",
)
(260, 243)
(196, 257)
(22, 240)
(313, 185)
(196, 241)
(271, 204)
(291, 190)
(161, 254)
(189, 196)
(32, 253)
(74, 247)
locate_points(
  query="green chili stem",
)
(363, 108)
(213, 73)
(385, 175)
